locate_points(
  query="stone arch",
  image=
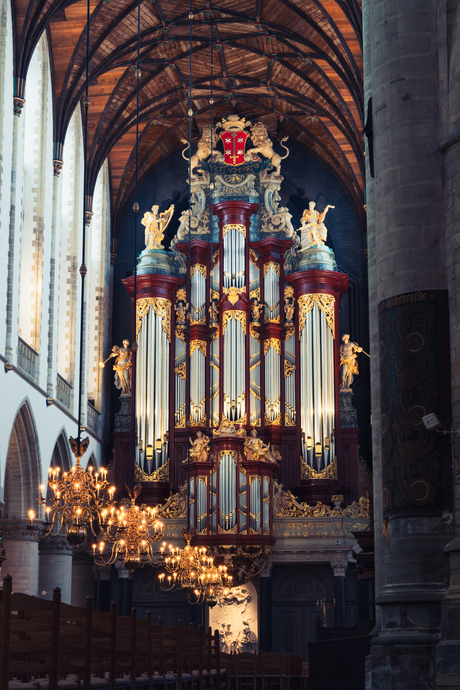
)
(23, 465)
(61, 454)
(92, 462)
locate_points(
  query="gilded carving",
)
(237, 314)
(159, 475)
(233, 294)
(198, 267)
(181, 371)
(200, 344)
(329, 472)
(325, 304)
(274, 343)
(234, 226)
(289, 369)
(175, 506)
(286, 505)
(273, 265)
(161, 307)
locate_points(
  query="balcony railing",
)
(63, 391)
(92, 419)
(28, 359)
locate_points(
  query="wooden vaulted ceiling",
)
(294, 64)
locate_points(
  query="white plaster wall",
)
(49, 421)
(6, 130)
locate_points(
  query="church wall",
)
(40, 288)
(6, 118)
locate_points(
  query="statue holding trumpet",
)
(122, 366)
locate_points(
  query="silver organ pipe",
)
(197, 382)
(272, 291)
(272, 381)
(227, 491)
(317, 399)
(254, 380)
(152, 389)
(234, 369)
(289, 379)
(198, 294)
(234, 247)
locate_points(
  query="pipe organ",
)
(237, 328)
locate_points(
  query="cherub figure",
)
(155, 226)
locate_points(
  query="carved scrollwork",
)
(159, 475)
(161, 307)
(326, 304)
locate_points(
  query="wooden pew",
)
(51, 640)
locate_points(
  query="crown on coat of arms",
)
(234, 124)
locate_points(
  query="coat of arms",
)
(234, 139)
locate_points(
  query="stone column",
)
(14, 235)
(53, 303)
(82, 577)
(55, 568)
(265, 610)
(408, 316)
(340, 611)
(102, 577)
(21, 551)
(124, 598)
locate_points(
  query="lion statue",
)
(263, 145)
(204, 148)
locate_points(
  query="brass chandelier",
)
(129, 531)
(193, 570)
(74, 501)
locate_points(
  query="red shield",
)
(234, 145)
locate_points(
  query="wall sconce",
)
(327, 443)
(149, 452)
(318, 449)
(309, 443)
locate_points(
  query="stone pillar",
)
(55, 568)
(409, 340)
(102, 578)
(124, 598)
(14, 235)
(82, 577)
(53, 303)
(340, 611)
(265, 611)
(21, 551)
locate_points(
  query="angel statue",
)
(199, 450)
(348, 364)
(155, 226)
(122, 366)
(313, 230)
(255, 448)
